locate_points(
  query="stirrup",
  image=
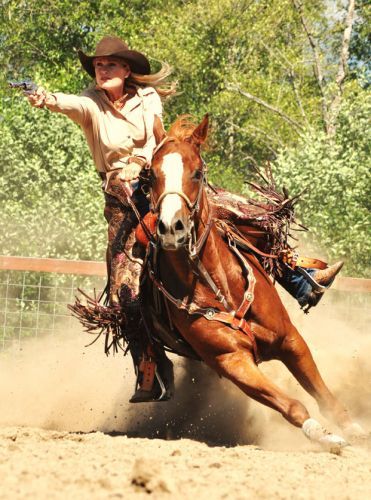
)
(158, 392)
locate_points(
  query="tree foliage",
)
(51, 199)
(250, 63)
(336, 179)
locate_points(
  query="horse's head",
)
(177, 181)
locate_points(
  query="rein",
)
(146, 230)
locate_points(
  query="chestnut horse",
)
(219, 298)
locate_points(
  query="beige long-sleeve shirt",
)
(113, 135)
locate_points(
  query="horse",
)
(218, 298)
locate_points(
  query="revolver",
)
(28, 86)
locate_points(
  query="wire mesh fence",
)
(35, 304)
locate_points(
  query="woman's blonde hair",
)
(156, 80)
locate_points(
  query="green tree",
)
(274, 75)
(336, 204)
(51, 204)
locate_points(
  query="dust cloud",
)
(337, 335)
(57, 383)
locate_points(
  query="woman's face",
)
(110, 73)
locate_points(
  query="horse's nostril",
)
(179, 226)
(161, 228)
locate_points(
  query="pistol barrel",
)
(25, 85)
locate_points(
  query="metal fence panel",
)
(34, 304)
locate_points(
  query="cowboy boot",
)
(326, 276)
(155, 378)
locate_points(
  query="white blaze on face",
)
(172, 167)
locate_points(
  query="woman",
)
(117, 115)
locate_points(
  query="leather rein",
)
(231, 317)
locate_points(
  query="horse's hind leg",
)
(295, 354)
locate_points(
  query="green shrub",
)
(51, 200)
(336, 176)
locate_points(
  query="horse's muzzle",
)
(173, 236)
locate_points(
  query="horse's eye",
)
(197, 175)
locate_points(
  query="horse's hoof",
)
(333, 443)
(314, 431)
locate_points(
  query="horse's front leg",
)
(229, 353)
(295, 354)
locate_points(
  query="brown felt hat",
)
(113, 46)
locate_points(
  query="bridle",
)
(194, 245)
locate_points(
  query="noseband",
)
(190, 205)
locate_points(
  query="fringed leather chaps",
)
(123, 269)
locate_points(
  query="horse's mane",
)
(182, 128)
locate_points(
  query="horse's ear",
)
(158, 130)
(199, 135)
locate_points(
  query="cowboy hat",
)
(114, 47)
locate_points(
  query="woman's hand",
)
(39, 98)
(130, 172)
(133, 169)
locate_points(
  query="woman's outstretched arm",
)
(75, 107)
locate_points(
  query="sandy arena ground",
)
(36, 463)
(67, 431)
